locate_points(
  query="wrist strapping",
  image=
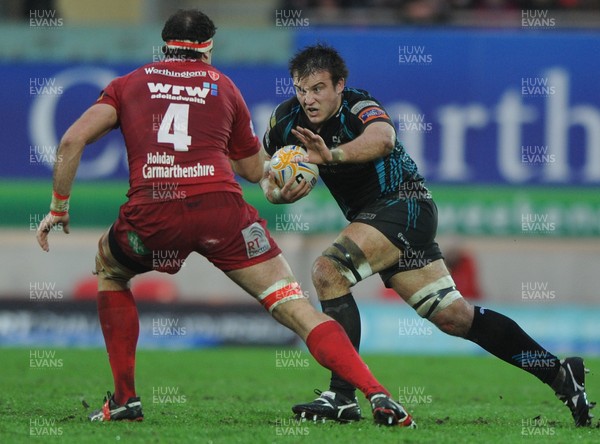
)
(59, 206)
(337, 155)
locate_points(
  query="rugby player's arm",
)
(94, 123)
(251, 167)
(377, 140)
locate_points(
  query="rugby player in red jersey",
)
(185, 124)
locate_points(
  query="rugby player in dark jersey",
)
(393, 221)
(205, 134)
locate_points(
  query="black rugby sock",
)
(502, 337)
(345, 312)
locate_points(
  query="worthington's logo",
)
(184, 74)
(184, 93)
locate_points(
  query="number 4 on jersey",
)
(176, 118)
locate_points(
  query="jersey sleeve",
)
(244, 142)
(369, 110)
(111, 95)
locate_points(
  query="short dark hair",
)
(319, 57)
(187, 24)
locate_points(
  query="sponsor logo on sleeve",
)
(372, 113)
(359, 106)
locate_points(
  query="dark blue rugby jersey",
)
(353, 185)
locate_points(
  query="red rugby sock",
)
(120, 327)
(330, 346)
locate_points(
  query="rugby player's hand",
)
(290, 192)
(293, 191)
(46, 226)
(318, 152)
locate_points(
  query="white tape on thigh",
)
(363, 269)
(434, 297)
(349, 260)
(280, 292)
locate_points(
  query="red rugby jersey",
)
(182, 120)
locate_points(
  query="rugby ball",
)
(283, 168)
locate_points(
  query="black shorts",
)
(410, 224)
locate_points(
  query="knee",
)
(456, 319)
(111, 274)
(340, 267)
(326, 275)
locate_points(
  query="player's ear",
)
(339, 87)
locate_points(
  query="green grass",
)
(242, 396)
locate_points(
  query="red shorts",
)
(220, 226)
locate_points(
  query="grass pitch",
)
(244, 396)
